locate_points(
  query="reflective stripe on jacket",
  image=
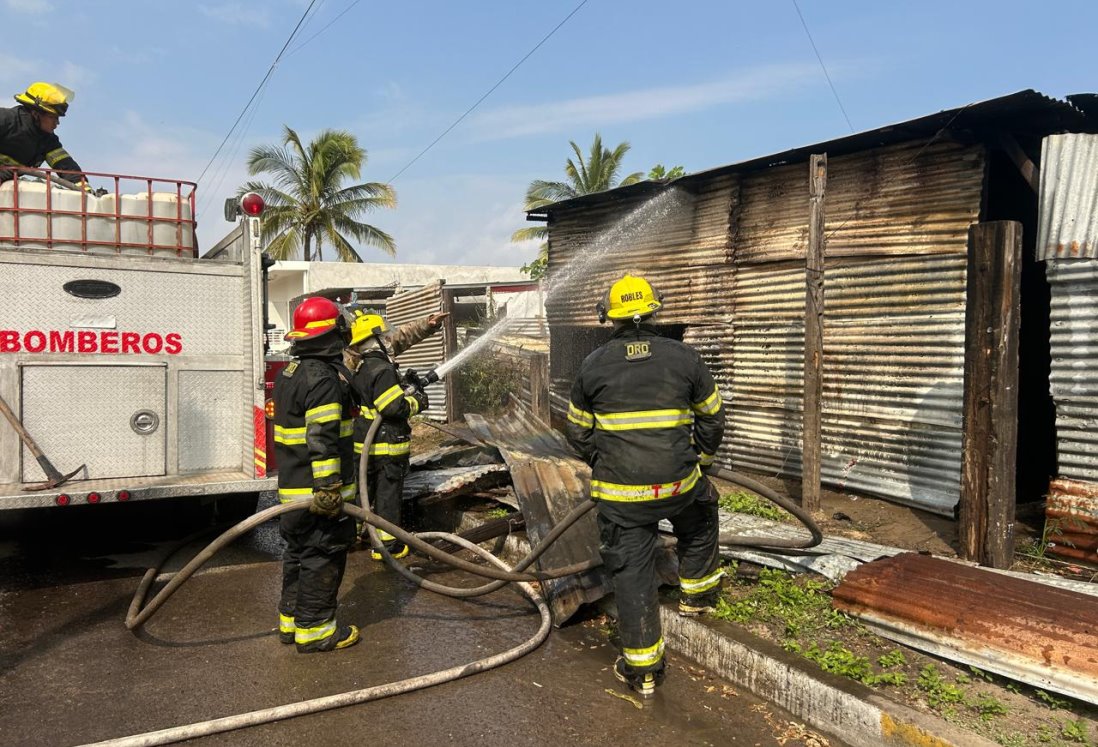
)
(313, 429)
(23, 143)
(644, 413)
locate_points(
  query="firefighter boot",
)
(643, 683)
(286, 628)
(345, 636)
(396, 548)
(694, 605)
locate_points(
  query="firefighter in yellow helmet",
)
(377, 382)
(645, 413)
(27, 136)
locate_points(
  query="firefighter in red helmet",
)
(315, 449)
(645, 413)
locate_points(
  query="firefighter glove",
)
(420, 396)
(327, 501)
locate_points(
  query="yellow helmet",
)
(364, 326)
(629, 298)
(51, 98)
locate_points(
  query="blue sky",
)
(693, 83)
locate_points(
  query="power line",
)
(325, 28)
(270, 71)
(488, 93)
(823, 66)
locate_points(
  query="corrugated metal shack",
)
(727, 249)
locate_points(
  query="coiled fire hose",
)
(137, 615)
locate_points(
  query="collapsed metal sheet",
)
(1036, 634)
(436, 485)
(549, 482)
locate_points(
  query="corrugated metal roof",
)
(1067, 225)
(406, 307)
(1040, 635)
(1024, 113)
(1073, 381)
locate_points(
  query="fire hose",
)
(501, 574)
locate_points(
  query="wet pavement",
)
(71, 673)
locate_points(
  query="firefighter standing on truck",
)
(27, 136)
(645, 413)
(314, 407)
(380, 391)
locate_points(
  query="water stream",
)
(609, 243)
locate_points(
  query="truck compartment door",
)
(110, 417)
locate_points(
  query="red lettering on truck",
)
(61, 342)
(107, 342)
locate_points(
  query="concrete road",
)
(70, 673)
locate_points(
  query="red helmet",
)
(313, 317)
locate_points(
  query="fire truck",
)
(131, 364)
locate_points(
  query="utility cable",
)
(469, 111)
(823, 66)
(262, 83)
(328, 25)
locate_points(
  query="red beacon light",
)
(252, 204)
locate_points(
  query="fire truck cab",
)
(124, 351)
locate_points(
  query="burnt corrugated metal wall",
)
(406, 307)
(897, 223)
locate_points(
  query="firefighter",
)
(27, 136)
(313, 420)
(380, 391)
(645, 413)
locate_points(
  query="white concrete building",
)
(288, 280)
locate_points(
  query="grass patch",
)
(740, 502)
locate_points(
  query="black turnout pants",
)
(313, 565)
(629, 556)
(385, 485)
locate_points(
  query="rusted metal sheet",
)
(902, 199)
(406, 307)
(678, 239)
(1039, 635)
(437, 485)
(1072, 510)
(1067, 224)
(893, 375)
(1073, 382)
(549, 481)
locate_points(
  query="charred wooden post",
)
(990, 437)
(813, 334)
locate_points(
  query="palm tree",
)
(597, 173)
(308, 206)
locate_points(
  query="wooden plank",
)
(1028, 168)
(813, 334)
(990, 437)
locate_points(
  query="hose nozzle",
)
(418, 380)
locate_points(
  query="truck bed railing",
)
(51, 209)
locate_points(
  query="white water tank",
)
(39, 229)
(166, 237)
